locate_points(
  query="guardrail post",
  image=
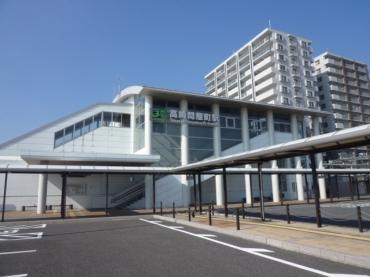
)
(213, 208)
(161, 208)
(4, 197)
(243, 210)
(288, 213)
(63, 196)
(173, 210)
(209, 215)
(237, 219)
(189, 213)
(359, 218)
(23, 208)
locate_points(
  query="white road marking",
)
(18, 275)
(256, 253)
(23, 227)
(177, 227)
(207, 235)
(18, 252)
(21, 236)
(261, 250)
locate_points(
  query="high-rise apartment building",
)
(274, 67)
(343, 89)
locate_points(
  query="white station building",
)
(147, 126)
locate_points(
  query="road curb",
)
(323, 253)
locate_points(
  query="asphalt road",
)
(131, 246)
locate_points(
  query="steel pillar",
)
(315, 184)
(260, 186)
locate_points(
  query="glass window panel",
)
(58, 138)
(201, 131)
(126, 120)
(97, 122)
(68, 135)
(78, 129)
(158, 127)
(222, 121)
(201, 143)
(116, 120)
(234, 134)
(107, 118)
(87, 124)
(226, 143)
(174, 129)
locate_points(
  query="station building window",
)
(90, 124)
(282, 123)
(257, 122)
(230, 128)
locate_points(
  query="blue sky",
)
(57, 57)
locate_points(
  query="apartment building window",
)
(304, 43)
(309, 93)
(284, 89)
(322, 97)
(309, 83)
(307, 73)
(320, 88)
(281, 58)
(279, 37)
(280, 47)
(305, 53)
(306, 63)
(317, 62)
(282, 67)
(283, 78)
(286, 100)
(319, 79)
(323, 106)
(311, 104)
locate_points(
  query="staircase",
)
(129, 195)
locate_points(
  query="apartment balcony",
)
(298, 94)
(363, 78)
(221, 92)
(355, 109)
(247, 83)
(340, 107)
(341, 116)
(351, 75)
(297, 84)
(267, 61)
(337, 97)
(212, 91)
(265, 95)
(362, 69)
(336, 80)
(334, 62)
(244, 74)
(366, 102)
(335, 71)
(232, 82)
(340, 125)
(264, 74)
(264, 84)
(259, 44)
(366, 110)
(350, 66)
(354, 91)
(337, 88)
(220, 72)
(233, 92)
(365, 86)
(231, 73)
(357, 118)
(244, 62)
